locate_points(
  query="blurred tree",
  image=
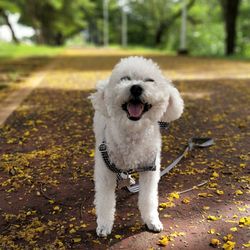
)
(156, 17)
(145, 19)
(243, 26)
(54, 20)
(205, 28)
(93, 19)
(8, 7)
(150, 22)
(95, 22)
(168, 20)
(230, 11)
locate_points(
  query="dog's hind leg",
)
(105, 184)
(148, 200)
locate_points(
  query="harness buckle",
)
(125, 181)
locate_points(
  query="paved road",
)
(46, 159)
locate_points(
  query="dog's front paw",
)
(155, 225)
(103, 230)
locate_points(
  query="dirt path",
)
(46, 161)
(14, 72)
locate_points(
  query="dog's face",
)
(137, 93)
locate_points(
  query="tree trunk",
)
(159, 33)
(164, 25)
(59, 41)
(230, 9)
(6, 19)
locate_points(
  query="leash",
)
(124, 178)
(194, 142)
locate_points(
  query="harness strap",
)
(105, 156)
(111, 166)
(194, 142)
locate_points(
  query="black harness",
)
(124, 176)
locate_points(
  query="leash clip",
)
(125, 181)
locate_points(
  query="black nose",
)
(136, 90)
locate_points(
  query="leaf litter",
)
(47, 151)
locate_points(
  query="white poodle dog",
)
(128, 107)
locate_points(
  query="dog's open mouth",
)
(135, 108)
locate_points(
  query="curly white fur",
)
(131, 143)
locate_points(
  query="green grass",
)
(12, 51)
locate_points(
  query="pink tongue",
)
(135, 110)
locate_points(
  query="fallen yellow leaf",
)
(176, 234)
(204, 195)
(238, 192)
(166, 204)
(174, 195)
(228, 237)
(246, 244)
(229, 245)
(211, 231)
(92, 153)
(215, 174)
(213, 218)
(167, 216)
(72, 231)
(96, 242)
(219, 192)
(213, 185)
(186, 200)
(164, 240)
(83, 225)
(50, 223)
(242, 209)
(214, 242)
(118, 236)
(56, 208)
(77, 240)
(233, 229)
(206, 208)
(243, 165)
(245, 221)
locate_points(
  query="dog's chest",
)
(133, 153)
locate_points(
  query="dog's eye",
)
(149, 80)
(125, 78)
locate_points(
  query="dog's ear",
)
(98, 98)
(175, 105)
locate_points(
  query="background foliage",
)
(151, 23)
